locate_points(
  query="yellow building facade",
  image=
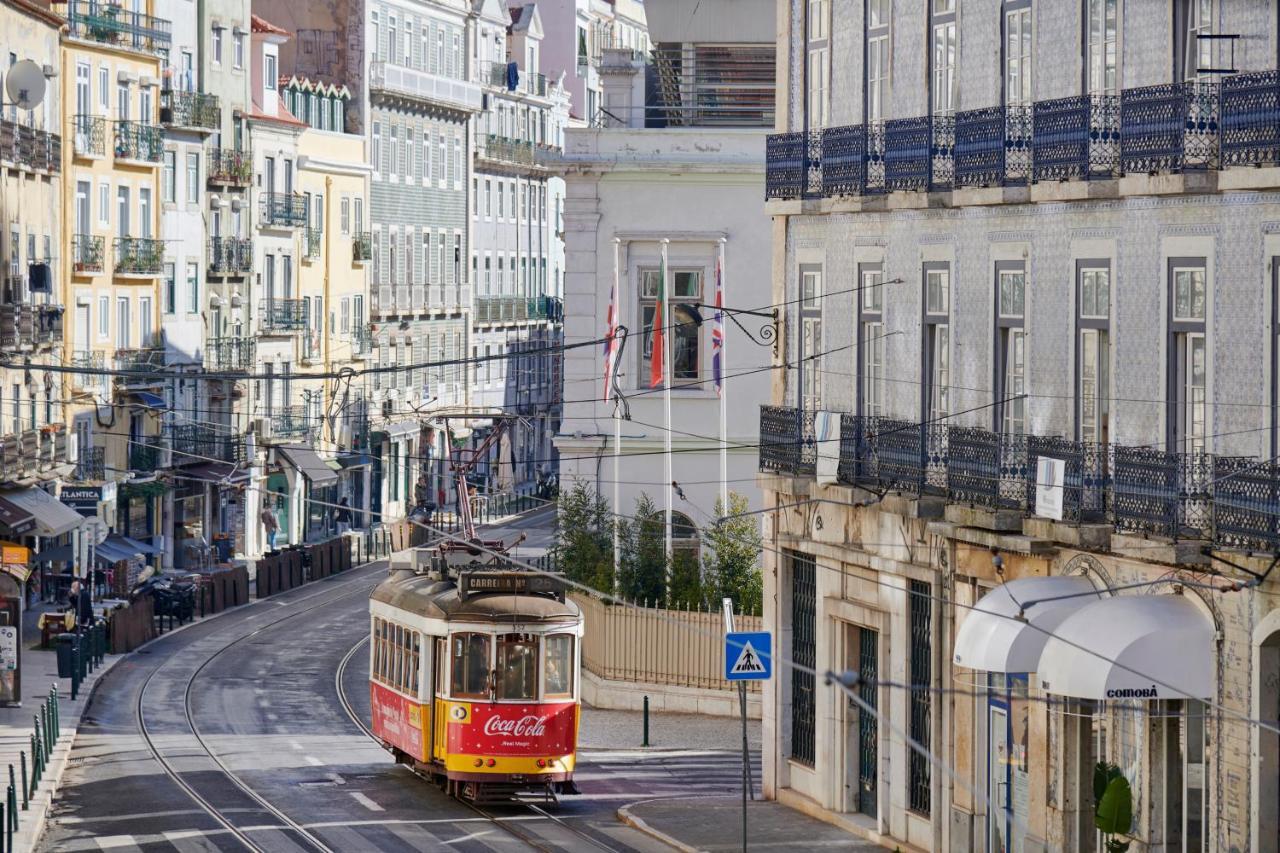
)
(111, 71)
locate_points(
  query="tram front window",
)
(559, 655)
(470, 666)
(518, 666)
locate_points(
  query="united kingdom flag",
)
(717, 335)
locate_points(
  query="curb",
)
(626, 817)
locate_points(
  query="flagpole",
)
(617, 420)
(724, 397)
(668, 356)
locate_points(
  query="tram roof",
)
(424, 595)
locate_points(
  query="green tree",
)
(730, 556)
(584, 537)
(644, 557)
(687, 589)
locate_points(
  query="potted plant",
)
(1112, 806)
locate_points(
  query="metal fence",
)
(681, 648)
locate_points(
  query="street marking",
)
(191, 841)
(336, 779)
(118, 842)
(366, 802)
(295, 744)
(472, 837)
(273, 716)
(313, 761)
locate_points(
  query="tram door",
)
(861, 733)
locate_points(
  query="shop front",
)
(41, 521)
(313, 483)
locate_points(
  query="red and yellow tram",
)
(474, 678)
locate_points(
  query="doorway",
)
(1008, 777)
(862, 746)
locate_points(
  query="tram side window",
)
(470, 662)
(559, 666)
(518, 666)
(398, 645)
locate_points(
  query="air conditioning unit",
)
(262, 428)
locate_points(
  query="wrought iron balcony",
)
(90, 136)
(91, 360)
(143, 143)
(230, 255)
(1231, 501)
(504, 149)
(786, 166)
(91, 464)
(282, 315)
(197, 110)
(138, 256)
(139, 360)
(146, 454)
(29, 148)
(48, 325)
(195, 443)
(230, 354)
(19, 325)
(1169, 128)
(109, 23)
(229, 167)
(993, 147)
(285, 210)
(1251, 119)
(361, 340)
(362, 247)
(311, 242)
(87, 252)
(291, 421)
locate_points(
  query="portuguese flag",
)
(657, 340)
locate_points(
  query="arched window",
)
(684, 537)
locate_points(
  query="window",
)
(877, 58)
(819, 62)
(122, 211)
(1179, 750)
(1188, 350)
(804, 656)
(344, 214)
(122, 322)
(1100, 32)
(870, 344)
(145, 328)
(169, 176)
(809, 357)
(1093, 323)
(170, 289)
(517, 667)
(104, 316)
(393, 161)
(1011, 348)
(920, 702)
(682, 339)
(936, 346)
(237, 47)
(193, 287)
(469, 659)
(104, 204)
(1017, 52)
(269, 76)
(104, 90)
(144, 211)
(217, 45)
(942, 92)
(375, 151)
(1194, 19)
(193, 178)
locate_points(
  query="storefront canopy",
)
(1132, 647)
(53, 518)
(1007, 629)
(309, 464)
(134, 545)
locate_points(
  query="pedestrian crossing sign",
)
(748, 656)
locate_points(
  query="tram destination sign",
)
(510, 583)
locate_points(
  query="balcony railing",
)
(138, 256)
(91, 464)
(87, 252)
(291, 421)
(140, 142)
(1163, 129)
(48, 324)
(362, 246)
(29, 148)
(195, 443)
(1231, 501)
(19, 325)
(140, 360)
(229, 167)
(109, 23)
(190, 109)
(498, 75)
(230, 354)
(311, 240)
(90, 136)
(91, 360)
(28, 453)
(287, 210)
(146, 454)
(496, 309)
(361, 340)
(506, 150)
(230, 255)
(282, 315)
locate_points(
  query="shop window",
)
(803, 656)
(920, 708)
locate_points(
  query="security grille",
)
(921, 697)
(803, 655)
(868, 744)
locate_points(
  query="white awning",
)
(1132, 647)
(53, 518)
(1007, 629)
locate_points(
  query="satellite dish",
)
(25, 85)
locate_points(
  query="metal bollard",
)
(35, 766)
(44, 723)
(646, 722)
(57, 712)
(26, 790)
(11, 805)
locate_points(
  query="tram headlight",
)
(479, 762)
(542, 763)
(492, 762)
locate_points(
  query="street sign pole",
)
(742, 705)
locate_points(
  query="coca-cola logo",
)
(526, 726)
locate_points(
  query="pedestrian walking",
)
(343, 515)
(270, 525)
(80, 603)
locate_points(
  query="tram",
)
(474, 675)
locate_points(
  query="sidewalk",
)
(608, 729)
(715, 824)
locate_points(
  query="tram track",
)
(349, 586)
(507, 824)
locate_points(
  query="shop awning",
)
(1007, 629)
(400, 428)
(1132, 647)
(214, 472)
(134, 544)
(309, 464)
(151, 401)
(53, 518)
(59, 554)
(16, 518)
(355, 460)
(113, 552)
